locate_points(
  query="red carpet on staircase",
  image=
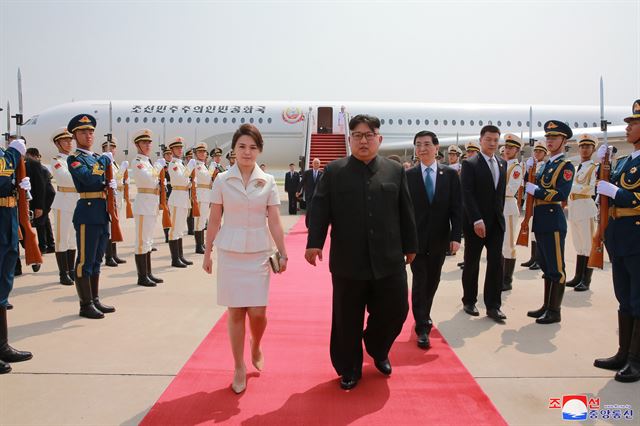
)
(298, 385)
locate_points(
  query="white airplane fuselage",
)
(283, 124)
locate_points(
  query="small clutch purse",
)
(274, 261)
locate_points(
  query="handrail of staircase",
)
(347, 118)
(307, 142)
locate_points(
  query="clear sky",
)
(529, 52)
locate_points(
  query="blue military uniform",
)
(90, 219)
(9, 160)
(550, 225)
(622, 239)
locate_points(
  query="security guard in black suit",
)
(90, 218)
(552, 187)
(622, 239)
(9, 244)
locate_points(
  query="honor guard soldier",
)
(90, 217)
(539, 153)
(187, 157)
(472, 148)
(63, 206)
(205, 182)
(552, 187)
(231, 157)
(179, 202)
(216, 160)
(622, 239)
(167, 156)
(515, 175)
(583, 211)
(9, 160)
(145, 206)
(111, 253)
(454, 154)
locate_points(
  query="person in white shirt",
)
(111, 253)
(512, 147)
(63, 206)
(203, 191)
(454, 153)
(540, 151)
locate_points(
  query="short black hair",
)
(489, 128)
(422, 133)
(33, 152)
(395, 158)
(291, 164)
(372, 122)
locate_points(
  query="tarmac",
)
(111, 371)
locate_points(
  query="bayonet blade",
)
(8, 121)
(20, 111)
(603, 121)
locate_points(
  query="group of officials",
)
(381, 219)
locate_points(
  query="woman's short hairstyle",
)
(248, 130)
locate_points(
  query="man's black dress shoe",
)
(383, 366)
(471, 310)
(348, 381)
(496, 314)
(423, 341)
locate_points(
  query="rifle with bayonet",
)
(116, 232)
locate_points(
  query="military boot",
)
(141, 266)
(547, 291)
(166, 234)
(149, 274)
(95, 284)
(616, 362)
(108, 255)
(7, 353)
(181, 254)
(87, 308)
(586, 279)
(114, 251)
(199, 237)
(552, 314)
(175, 254)
(507, 280)
(190, 224)
(63, 268)
(532, 259)
(71, 261)
(631, 371)
(581, 264)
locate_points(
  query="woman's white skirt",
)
(243, 278)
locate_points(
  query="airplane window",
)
(162, 119)
(584, 124)
(215, 120)
(445, 122)
(539, 124)
(224, 120)
(206, 119)
(409, 122)
(269, 120)
(197, 119)
(119, 119)
(490, 122)
(435, 122)
(144, 120)
(453, 122)
(594, 124)
(179, 119)
(127, 119)
(188, 119)
(171, 120)
(233, 120)
(471, 123)
(417, 122)
(462, 122)
(519, 123)
(242, 120)
(153, 120)
(135, 119)
(575, 124)
(400, 121)
(499, 123)
(382, 121)
(251, 120)
(480, 123)
(260, 120)
(527, 123)
(508, 122)
(390, 121)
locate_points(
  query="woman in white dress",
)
(249, 199)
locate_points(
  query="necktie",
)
(579, 167)
(428, 184)
(492, 166)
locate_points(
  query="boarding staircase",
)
(327, 147)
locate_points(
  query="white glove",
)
(108, 155)
(529, 163)
(607, 188)
(161, 162)
(126, 182)
(165, 182)
(25, 184)
(124, 165)
(113, 184)
(19, 145)
(602, 151)
(191, 164)
(531, 188)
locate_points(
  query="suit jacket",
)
(308, 184)
(480, 199)
(38, 181)
(371, 215)
(439, 222)
(291, 181)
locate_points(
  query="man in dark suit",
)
(483, 188)
(437, 203)
(291, 183)
(365, 199)
(308, 184)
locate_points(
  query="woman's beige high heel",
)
(239, 381)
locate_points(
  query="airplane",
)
(287, 126)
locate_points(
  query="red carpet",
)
(299, 386)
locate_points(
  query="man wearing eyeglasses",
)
(365, 199)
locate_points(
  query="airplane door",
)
(325, 120)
